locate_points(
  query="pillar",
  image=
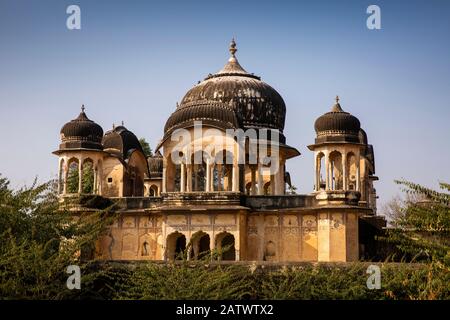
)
(189, 178)
(164, 177)
(219, 178)
(66, 174)
(358, 179)
(95, 180)
(80, 175)
(208, 176)
(182, 177)
(260, 179)
(253, 180)
(344, 171)
(235, 177)
(317, 168)
(327, 172)
(272, 184)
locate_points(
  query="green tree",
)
(146, 147)
(421, 223)
(39, 239)
(88, 178)
(73, 178)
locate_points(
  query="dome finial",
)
(82, 108)
(337, 106)
(232, 48)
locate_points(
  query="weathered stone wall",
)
(293, 235)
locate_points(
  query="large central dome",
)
(254, 103)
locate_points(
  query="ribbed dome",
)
(363, 136)
(155, 165)
(337, 125)
(212, 113)
(81, 133)
(121, 141)
(254, 103)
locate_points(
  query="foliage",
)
(146, 147)
(422, 223)
(39, 239)
(88, 178)
(202, 280)
(73, 178)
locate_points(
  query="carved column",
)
(164, 176)
(219, 178)
(272, 184)
(344, 172)
(260, 179)
(327, 172)
(94, 191)
(358, 178)
(208, 176)
(182, 177)
(317, 168)
(66, 174)
(253, 180)
(80, 175)
(235, 178)
(189, 178)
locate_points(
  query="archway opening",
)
(88, 177)
(321, 172)
(176, 246)
(200, 246)
(336, 177)
(225, 245)
(198, 162)
(351, 169)
(73, 177)
(223, 171)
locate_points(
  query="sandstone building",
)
(168, 206)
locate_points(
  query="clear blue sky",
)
(134, 60)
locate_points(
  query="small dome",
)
(213, 113)
(155, 165)
(121, 141)
(81, 133)
(337, 125)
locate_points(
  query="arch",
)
(87, 176)
(270, 250)
(176, 246)
(153, 191)
(351, 170)
(199, 168)
(200, 245)
(336, 172)
(73, 177)
(225, 245)
(223, 171)
(173, 174)
(61, 176)
(320, 172)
